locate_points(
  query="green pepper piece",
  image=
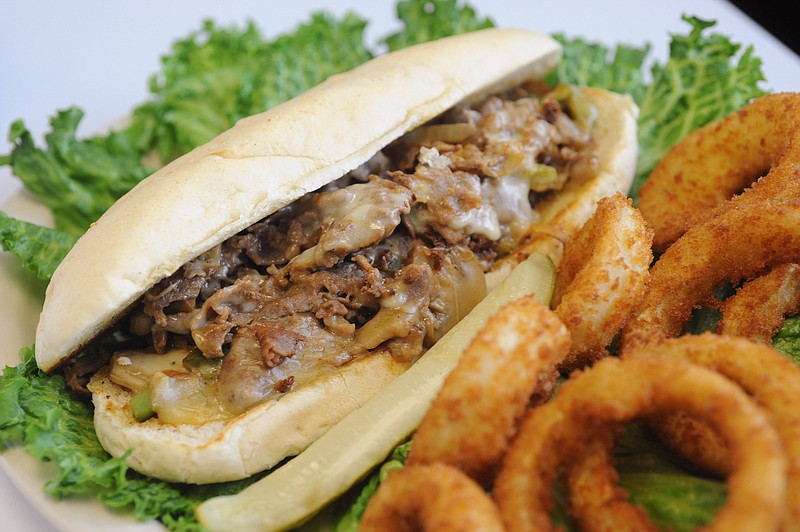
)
(141, 405)
(196, 362)
(577, 105)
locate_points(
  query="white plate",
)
(99, 55)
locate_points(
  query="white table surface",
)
(98, 55)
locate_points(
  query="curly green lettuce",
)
(217, 75)
(620, 69)
(76, 179)
(427, 21)
(40, 249)
(787, 339)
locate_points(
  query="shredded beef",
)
(78, 370)
(277, 344)
(371, 261)
(353, 218)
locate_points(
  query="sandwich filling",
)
(387, 258)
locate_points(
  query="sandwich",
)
(269, 282)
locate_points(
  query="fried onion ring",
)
(721, 249)
(614, 392)
(759, 307)
(478, 410)
(694, 441)
(719, 160)
(771, 379)
(596, 501)
(602, 278)
(430, 497)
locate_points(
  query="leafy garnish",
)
(218, 75)
(39, 249)
(595, 65)
(787, 340)
(77, 179)
(426, 20)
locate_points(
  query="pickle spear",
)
(297, 490)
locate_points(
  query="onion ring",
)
(694, 441)
(721, 249)
(479, 407)
(760, 306)
(602, 278)
(430, 497)
(614, 392)
(771, 379)
(596, 501)
(711, 164)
